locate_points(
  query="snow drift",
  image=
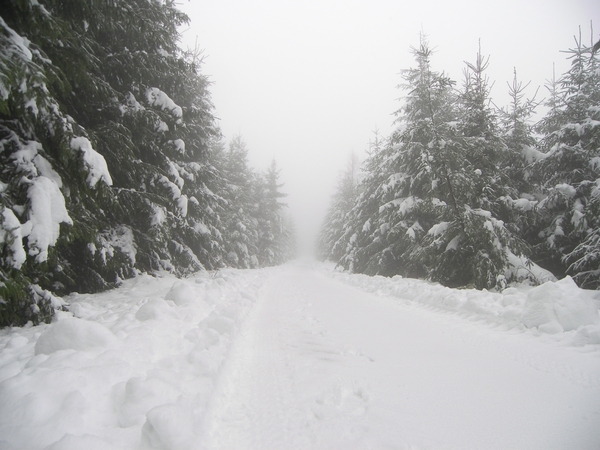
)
(555, 307)
(128, 368)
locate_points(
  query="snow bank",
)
(556, 309)
(131, 368)
(560, 306)
(73, 334)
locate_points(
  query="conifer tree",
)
(102, 115)
(518, 134)
(240, 223)
(569, 174)
(360, 244)
(337, 215)
(476, 239)
(433, 201)
(272, 234)
(401, 196)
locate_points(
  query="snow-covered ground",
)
(302, 356)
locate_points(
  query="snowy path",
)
(320, 365)
(303, 357)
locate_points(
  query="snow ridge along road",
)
(303, 357)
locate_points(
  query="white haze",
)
(307, 82)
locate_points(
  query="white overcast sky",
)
(306, 82)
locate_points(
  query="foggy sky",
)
(307, 82)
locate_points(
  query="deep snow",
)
(302, 356)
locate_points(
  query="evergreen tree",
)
(272, 234)
(360, 244)
(518, 134)
(476, 238)
(335, 220)
(402, 188)
(435, 199)
(569, 174)
(104, 132)
(240, 223)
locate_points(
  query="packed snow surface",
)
(305, 357)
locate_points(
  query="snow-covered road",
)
(304, 357)
(320, 365)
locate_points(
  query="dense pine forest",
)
(112, 162)
(469, 194)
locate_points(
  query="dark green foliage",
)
(107, 170)
(100, 108)
(23, 302)
(438, 198)
(569, 174)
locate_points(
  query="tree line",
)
(112, 162)
(468, 194)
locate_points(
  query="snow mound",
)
(559, 306)
(168, 427)
(74, 334)
(154, 309)
(142, 363)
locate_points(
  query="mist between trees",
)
(468, 194)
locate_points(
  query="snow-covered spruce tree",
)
(518, 134)
(104, 126)
(477, 238)
(399, 198)
(239, 217)
(360, 244)
(433, 200)
(249, 206)
(272, 233)
(36, 160)
(570, 173)
(336, 218)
